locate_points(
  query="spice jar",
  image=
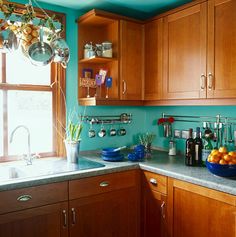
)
(107, 49)
(172, 148)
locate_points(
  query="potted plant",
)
(72, 138)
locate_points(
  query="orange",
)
(215, 158)
(223, 162)
(223, 149)
(232, 153)
(227, 157)
(214, 151)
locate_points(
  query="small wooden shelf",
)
(97, 60)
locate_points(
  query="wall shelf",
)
(97, 60)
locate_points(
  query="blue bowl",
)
(113, 158)
(109, 152)
(221, 170)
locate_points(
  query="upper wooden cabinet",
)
(131, 60)
(221, 66)
(153, 60)
(185, 53)
(126, 65)
(200, 52)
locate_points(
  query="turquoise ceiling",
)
(140, 9)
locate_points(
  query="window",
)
(31, 96)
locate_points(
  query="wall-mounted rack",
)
(123, 118)
(218, 119)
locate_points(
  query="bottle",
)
(207, 148)
(190, 149)
(198, 148)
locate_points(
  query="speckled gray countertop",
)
(160, 163)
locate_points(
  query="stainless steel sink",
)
(41, 167)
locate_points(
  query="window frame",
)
(58, 80)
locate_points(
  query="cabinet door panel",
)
(185, 53)
(222, 48)
(47, 221)
(113, 214)
(131, 60)
(153, 60)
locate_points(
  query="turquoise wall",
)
(144, 118)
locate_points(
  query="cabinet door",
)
(221, 49)
(113, 214)
(46, 221)
(199, 211)
(153, 214)
(185, 54)
(131, 60)
(153, 60)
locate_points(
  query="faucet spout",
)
(29, 157)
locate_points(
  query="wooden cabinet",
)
(106, 205)
(221, 67)
(154, 205)
(131, 60)
(153, 60)
(197, 211)
(37, 211)
(185, 53)
(126, 65)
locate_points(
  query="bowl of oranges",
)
(221, 162)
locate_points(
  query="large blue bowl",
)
(221, 170)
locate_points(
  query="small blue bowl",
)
(221, 170)
(110, 152)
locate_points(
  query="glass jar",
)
(107, 49)
(172, 148)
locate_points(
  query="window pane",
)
(34, 110)
(19, 70)
(1, 125)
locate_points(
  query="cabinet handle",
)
(24, 198)
(153, 181)
(203, 82)
(163, 210)
(210, 81)
(104, 184)
(73, 216)
(64, 218)
(124, 87)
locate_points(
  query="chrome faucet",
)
(28, 157)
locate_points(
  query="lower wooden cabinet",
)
(106, 215)
(46, 221)
(197, 211)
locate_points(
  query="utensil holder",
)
(167, 130)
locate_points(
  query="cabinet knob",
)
(153, 181)
(104, 184)
(24, 198)
(203, 82)
(210, 81)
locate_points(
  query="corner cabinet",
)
(126, 65)
(198, 211)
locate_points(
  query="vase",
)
(72, 151)
(148, 150)
(167, 130)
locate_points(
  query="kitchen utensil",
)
(91, 132)
(108, 85)
(122, 131)
(61, 51)
(102, 132)
(40, 53)
(8, 41)
(231, 140)
(119, 148)
(112, 132)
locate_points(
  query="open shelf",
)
(97, 60)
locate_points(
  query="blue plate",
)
(114, 158)
(221, 170)
(110, 152)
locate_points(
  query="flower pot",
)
(167, 130)
(72, 151)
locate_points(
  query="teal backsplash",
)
(144, 118)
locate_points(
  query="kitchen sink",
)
(41, 167)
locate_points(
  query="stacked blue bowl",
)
(138, 154)
(111, 154)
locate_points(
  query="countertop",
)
(160, 163)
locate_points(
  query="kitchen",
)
(143, 117)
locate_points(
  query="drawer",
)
(155, 182)
(19, 199)
(101, 184)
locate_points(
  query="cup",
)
(112, 132)
(122, 132)
(102, 132)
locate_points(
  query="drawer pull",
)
(153, 181)
(104, 184)
(73, 216)
(163, 210)
(64, 218)
(24, 198)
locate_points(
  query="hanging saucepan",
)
(40, 53)
(61, 51)
(8, 41)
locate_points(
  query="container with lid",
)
(107, 49)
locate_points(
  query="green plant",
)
(146, 138)
(73, 131)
